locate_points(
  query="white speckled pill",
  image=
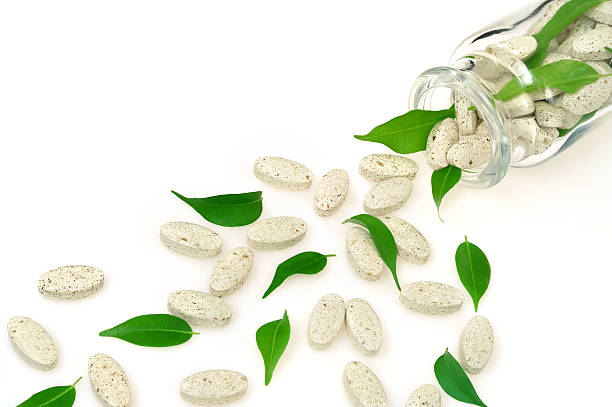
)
(579, 27)
(590, 97)
(71, 282)
(547, 13)
(214, 387)
(548, 115)
(411, 244)
(363, 327)
(518, 47)
(591, 45)
(387, 196)
(363, 387)
(32, 342)
(441, 138)
(379, 167)
(108, 380)
(466, 118)
(536, 139)
(601, 13)
(427, 395)
(476, 344)
(331, 192)
(520, 105)
(190, 239)
(430, 297)
(363, 255)
(276, 233)
(231, 271)
(283, 173)
(470, 152)
(326, 320)
(199, 308)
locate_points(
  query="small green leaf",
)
(566, 75)
(152, 330)
(608, 49)
(59, 396)
(383, 240)
(566, 15)
(442, 181)
(564, 132)
(474, 270)
(407, 133)
(227, 210)
(303, 263)
(454, 381)
(472, 108)
(272, 339)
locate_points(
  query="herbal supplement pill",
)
(411, 244)
(441, 138)
(520, 105)
(430, 297)
(379, 167)
(32, 342)
(548, 115)
(466, 118)
(427, 395)
(591, 45)
(276, 233)
(363, 387)
(108, 381)
(231, 271)
(190, 239)
(579, 27)
(470, 152)
(387, 196)
(517, 47)
(331, 192)
(476, 344)
(536, 139)
(547, 13)
(590, 97)
(601, 13)
(214, 387)
(283, 173)
(71, 282)
(326, 320)
(199, 308)
(363, 255)
(363, 327)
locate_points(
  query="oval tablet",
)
(276, 233)
(200, 308)
(362, 386)
(387, 196)
(190, 239)
(326, 320)
(283, 173)
(476, 344)
(441, 138)
(71, 282)
(411, 245)
(379, 167)
(32, 342)
(363, 255)
(430, 297)
(363, 327)
(331, 192)
(427, 395)
(109, 381)
(231, 271)
(214, 387)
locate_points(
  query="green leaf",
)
(383, 240)
(564, 132)
(442, 181)
(454, 381)
(59, 396)
(407, 133)
(608, 49)
(474, 270)
(303, 263)
(566, 75)
(153, 330)
(272, 339)
(227, 210)
(566, 15)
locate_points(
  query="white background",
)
(106, 106)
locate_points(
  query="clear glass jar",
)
(478, 72)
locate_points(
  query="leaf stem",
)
(78, 380)
(329, 255)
